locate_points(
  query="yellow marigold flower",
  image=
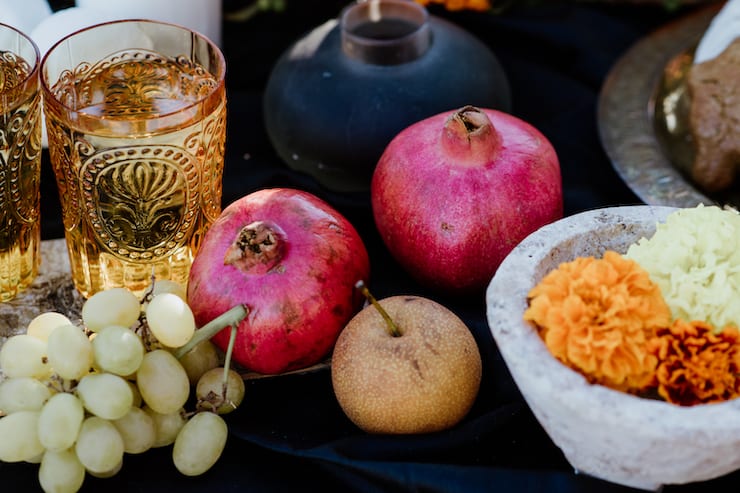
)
(597, 316)
(479, 5)
(697, 364)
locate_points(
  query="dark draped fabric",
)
(290, 434)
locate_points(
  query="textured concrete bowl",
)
(624, 439)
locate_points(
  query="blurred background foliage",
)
(236, 10)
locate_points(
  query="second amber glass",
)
(136, 115)
(20, 161)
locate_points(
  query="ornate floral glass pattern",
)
(20, 160)
(144, 198)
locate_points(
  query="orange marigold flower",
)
(697, 365)
(597, 316)
(479, 5)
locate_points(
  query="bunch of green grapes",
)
(77, 399)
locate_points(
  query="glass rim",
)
(411, 6)
(220, 76)
(33, 74)
(385, 50)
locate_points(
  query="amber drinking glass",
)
(135, 114)
(20, 162)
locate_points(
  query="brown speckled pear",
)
(425, 379)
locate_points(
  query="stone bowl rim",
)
(536, 371)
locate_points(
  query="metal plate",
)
(642, 112)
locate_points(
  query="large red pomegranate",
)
(454, 193)
(293, 261)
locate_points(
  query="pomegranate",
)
(293, 261)
(454, 193)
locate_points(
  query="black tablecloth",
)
(290, 434)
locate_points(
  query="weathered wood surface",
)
(52, 290)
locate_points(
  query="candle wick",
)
(375, 14)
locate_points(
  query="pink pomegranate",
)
(454, 193)
(293, 261)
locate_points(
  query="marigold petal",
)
(697, 363)
(597, 316)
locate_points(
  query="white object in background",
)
(24, 15)
(723, 29)
(64, 22)
(203, 16)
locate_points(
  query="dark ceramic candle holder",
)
(338, 95)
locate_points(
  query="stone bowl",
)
(614, 436)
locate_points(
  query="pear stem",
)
(231, 317)
(392, 327)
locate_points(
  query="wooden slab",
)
(52, 290)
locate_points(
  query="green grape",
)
(35, 459)
(23, 394)
(109, 473)
(162, 286)
(162, 381)
(115, 306)
(105, 395)
(42, 325)
(99, 446)
(203, 357)
(138, 401)
(61, 472)
(20, 438)
(70, 352)
(211, 384)
(199, 443)
(60, 421)
(170, 320)
(166, 426)
(118, 350)
(24, 356)
(137, 430)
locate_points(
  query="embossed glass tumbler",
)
(20, 162)
(136, 118)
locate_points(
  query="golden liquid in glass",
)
(138, 193)
(20, 161)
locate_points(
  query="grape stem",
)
(227, 358)
(231, 317)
